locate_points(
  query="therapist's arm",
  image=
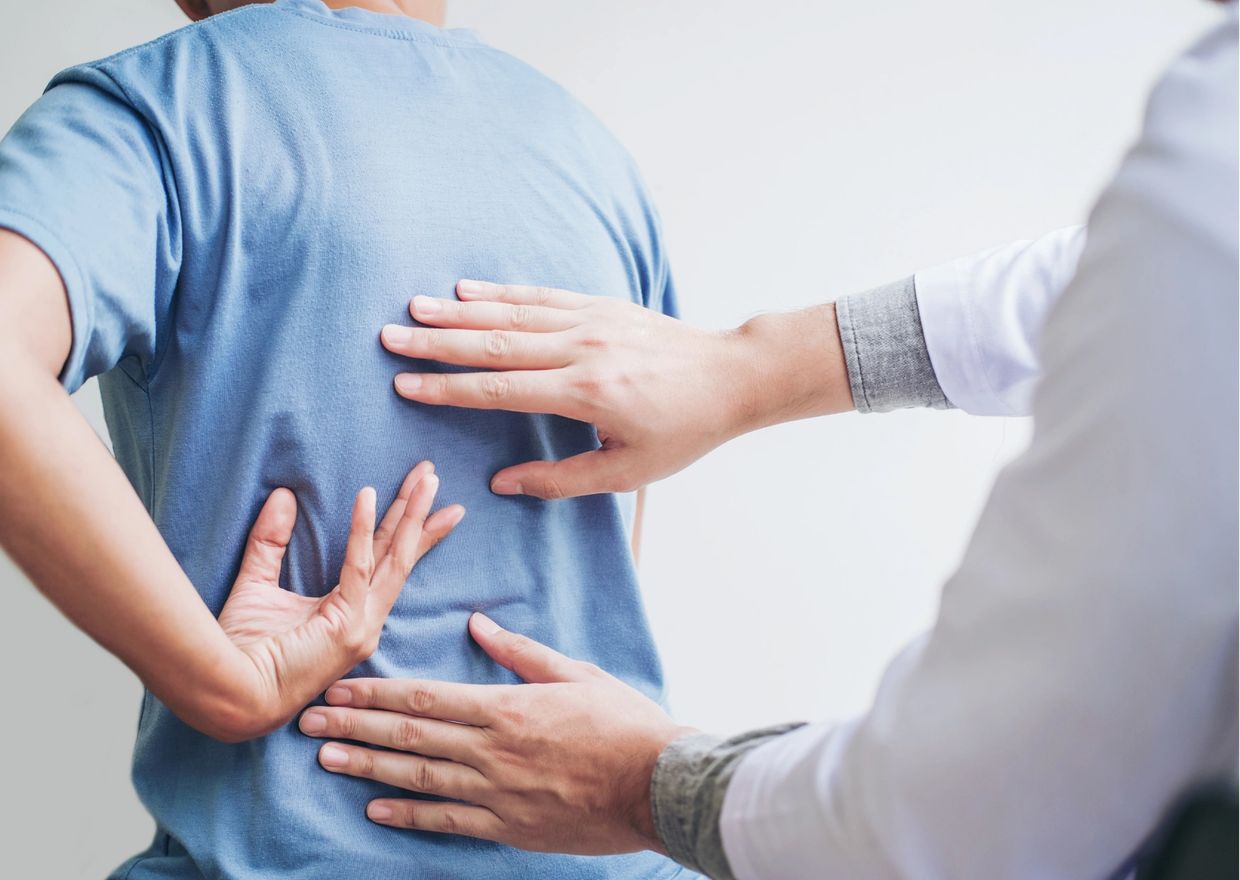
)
(663, 393)
(1081, 674)
(71, 520)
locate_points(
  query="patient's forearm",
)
(72, 522)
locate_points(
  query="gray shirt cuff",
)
(885, 350)
(686, 796)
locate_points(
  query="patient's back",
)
(237, 209)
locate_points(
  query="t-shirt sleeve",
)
(660, 289)
(81, 177)
(664, 299)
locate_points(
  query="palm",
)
(299, 642)
(255, 611)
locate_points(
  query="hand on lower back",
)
(660, 392)
(300, 644)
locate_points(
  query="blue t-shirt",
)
(236, 210)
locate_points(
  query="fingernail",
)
(427, 305)
(394, 334)
(333, 756)
(408, 383)
(485, 625)
(470, 288)
(313, 723)
(338, 696)
(379, 812)
(506, 487)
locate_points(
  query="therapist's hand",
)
(560, 765)
(660, 392)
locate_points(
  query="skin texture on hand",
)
(660, 392)
(562, 764)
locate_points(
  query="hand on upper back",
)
(300, 644)
(660, 392)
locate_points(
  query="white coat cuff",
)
(949, 325)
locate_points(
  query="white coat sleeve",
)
(983, 315)
(1082, 670)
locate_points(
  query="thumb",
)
(590, 473)
(532, 661)
(264, 551)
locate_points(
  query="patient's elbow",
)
(230, 721)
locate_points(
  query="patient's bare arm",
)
(71, 520)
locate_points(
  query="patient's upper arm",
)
(34, 312)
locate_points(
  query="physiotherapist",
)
(1081, 674)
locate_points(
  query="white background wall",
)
(799, 151)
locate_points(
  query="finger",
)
(410, 772)
(264, 551)
(392, 571)
(537, 391)
(438, 527)
(494, 349)
(489, 315)
(518, 294)
(394, 730)
(404, 549)
(359, 560)
(441, 818)
(590, 473)
(447, 701)
(532, 661)
(387, 528)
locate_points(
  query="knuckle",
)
(425, 778)
(512, 713)
(595, 342)
(361, 694)
(552, 490)
(519, 316)
(360, 566)
(346, 725)
(495, 387)
(364, 762)
(407, 816)
(589, 385)
(543, 295)
(497, 343)
(451, 822)
(422, 701)
(439, 386)
(431, 341)
(407, 735)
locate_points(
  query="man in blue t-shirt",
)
(217, 224)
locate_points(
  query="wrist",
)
(230, 702)
(643, 811)
(789, 366)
